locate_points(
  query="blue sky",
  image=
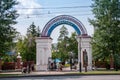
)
(49, 9)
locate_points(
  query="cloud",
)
(58, 14)
(28, 4)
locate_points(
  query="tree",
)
(32, 33)
(66, 45)
(73, 44)
(62, 43)
(27, 46)
(33, 30)
(63, 34)
(106, 40)
(8, 16)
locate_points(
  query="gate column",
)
(43, 50)
(84, 44)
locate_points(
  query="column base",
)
(41, 67)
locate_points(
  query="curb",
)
(51, 75)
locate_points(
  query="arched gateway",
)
(44, 42)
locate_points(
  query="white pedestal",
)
(43, 50)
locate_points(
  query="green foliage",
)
(106, 40)
(66, 45)
(56, 55)
(9, 58)
(8, 16)
(63, 34)
(27, 46)
(62, 43)
(73, 45)
(33, 30)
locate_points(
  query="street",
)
(88, 77)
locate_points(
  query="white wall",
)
(43, 50)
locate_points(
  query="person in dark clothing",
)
(29, 68)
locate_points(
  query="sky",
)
(41, 11)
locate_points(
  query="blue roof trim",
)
(51, 28)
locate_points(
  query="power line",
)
(58, 7)
(37, 16)
(57, 13)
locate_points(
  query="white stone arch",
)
(44, 42)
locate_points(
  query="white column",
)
(84, 43)
(79, 53)
(43, 50)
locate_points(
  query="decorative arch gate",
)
(43, 43)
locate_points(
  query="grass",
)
(6, 75)
(99, 72)
(102, 72)
(67, 65)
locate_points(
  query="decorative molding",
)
(63, 19)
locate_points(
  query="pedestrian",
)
(28, 68)
(57, 64)
(60, 66)
(24, 70)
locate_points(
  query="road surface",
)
(81, 77)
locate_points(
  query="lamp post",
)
(80, 70)
(19, 61)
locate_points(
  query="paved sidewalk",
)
(39, 72)
(65, 71)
